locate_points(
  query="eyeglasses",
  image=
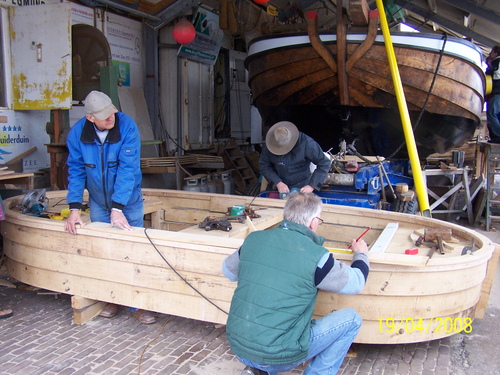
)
(320, 220)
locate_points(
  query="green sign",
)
(206, 45)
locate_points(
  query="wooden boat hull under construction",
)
(407, 298)
(442, 79)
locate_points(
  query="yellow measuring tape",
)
(340, 251)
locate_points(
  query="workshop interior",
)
(395, 93)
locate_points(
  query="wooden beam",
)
(317, 44)
(157, 218)
(20, 157)
(342, 55)
(367, 43)
(432, 5)
(85, 309)
(359, 10)
(385, 238)
(488, 283)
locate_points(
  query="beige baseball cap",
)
(98, 104)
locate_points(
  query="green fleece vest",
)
(270, 316)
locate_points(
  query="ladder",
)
(234, 159)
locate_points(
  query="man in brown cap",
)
(286, 159)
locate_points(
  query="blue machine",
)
(364, 187)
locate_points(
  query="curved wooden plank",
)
(150, 268)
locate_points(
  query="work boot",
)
(109, 310)
(253, 371)
(143, 316)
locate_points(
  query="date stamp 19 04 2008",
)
(432, 325)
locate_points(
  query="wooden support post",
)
(342, 54)
(488, 283)
(157, 217)
(85, 309)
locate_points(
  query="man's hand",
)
(282, 187)
(307, 189)
(359, 246)
(118, 219)
(73, 219)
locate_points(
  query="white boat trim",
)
(455, 47)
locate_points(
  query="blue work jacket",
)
(110, 171)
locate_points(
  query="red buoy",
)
(184, 32)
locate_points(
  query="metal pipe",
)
(420, 186)
(381, 176)
(180, 108)
(152, 74)
(393, 195)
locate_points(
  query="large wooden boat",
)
(174, 266)
(302, 78)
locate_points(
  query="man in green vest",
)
(279, 272)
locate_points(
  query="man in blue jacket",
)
(493, 107)
(286, 160)
(279, 272)
(104, 158)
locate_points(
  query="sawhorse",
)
(460, 179)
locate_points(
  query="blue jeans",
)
(331, 337)
(134, 212)
(493, 116)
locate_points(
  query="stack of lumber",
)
(470, 148)
(4, 171)
(168, 164)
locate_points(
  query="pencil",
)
(362, 234)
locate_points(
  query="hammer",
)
(439, 235)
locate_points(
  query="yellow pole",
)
(420, 187)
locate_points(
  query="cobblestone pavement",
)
(41, 338)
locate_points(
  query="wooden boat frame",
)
(174, 267)
(339, 85)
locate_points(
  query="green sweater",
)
(270, 316)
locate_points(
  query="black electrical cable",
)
(180, 276)
(445, 36)
(162, 128)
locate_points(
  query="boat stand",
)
(460, 180)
